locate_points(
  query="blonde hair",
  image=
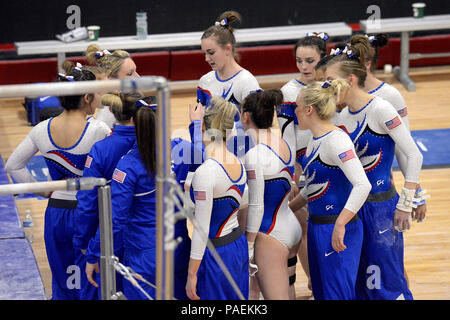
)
(111, 63)
(322, 96)
(219, 118)
(68, 66)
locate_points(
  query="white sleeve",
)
(255, 182)
(399, 103)
(401, 157)
(250, 85)
(344, 156)
(106, 116)
(203, 188)
(392, 124)
(16, 164)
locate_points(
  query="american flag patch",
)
(88, 162)
(391, 124)
(347, 155)
(251, 174)
(403, 112)
(199, 195)
(119, 176)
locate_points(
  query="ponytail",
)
(110, 62)
(261, 106)
(123, 106)
(145, 124)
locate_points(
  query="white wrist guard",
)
(406, 201)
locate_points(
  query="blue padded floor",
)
(19, 274)
(20, 278)
(434, 146)
(10, 225)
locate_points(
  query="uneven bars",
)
(82, 87)
(69, 184)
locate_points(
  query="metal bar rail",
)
(164, 268)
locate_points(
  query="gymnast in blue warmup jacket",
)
(101, 162)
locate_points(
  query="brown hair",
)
(348, 66)
(367, 48)
(145, 124)
(223, 34)
(74, 102)
(313, 41)
(111, 63)
(261, 106)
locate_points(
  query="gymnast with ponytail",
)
(273, 232)
(65, 142)
(100, 163)
(308, 52)
(367, 49)
(336, 188)
(376, 130)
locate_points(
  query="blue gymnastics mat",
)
(20, 278)
(19, 274)
(10, 225)
(434, 146)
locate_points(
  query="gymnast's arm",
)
(16, 164)
(203, 186)
(255, 182)
(354, 172)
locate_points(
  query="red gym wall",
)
(190, 64)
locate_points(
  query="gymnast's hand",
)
(191, 287)
(419, 213)
(90, 268)
(337, 238)
(197, 112)
(402, 220)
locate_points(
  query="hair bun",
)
(227, 18)
(381, 40)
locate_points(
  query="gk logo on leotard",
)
(380, 182)
(74, 280)
(374, 280)
(329, 207)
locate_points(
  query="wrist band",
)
(406, 201)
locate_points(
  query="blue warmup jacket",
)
(133, 197)
(101, 162)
